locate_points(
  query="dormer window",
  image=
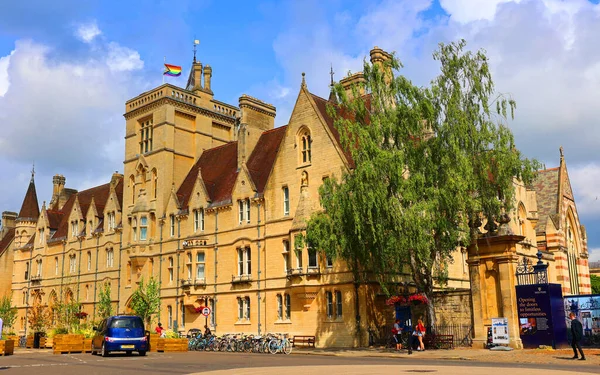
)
(146, 131)
(74, 229)
(244, 210)
(111, 221)
(42, 236)
(199, 220)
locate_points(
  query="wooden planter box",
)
(153, 342)
(7, 347)
(29, 342)
(87, 345)
(172, 345)
(49, 342)
(68, 344)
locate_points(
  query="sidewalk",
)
(559, 356)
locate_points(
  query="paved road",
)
(221, 363)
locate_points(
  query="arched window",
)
(572, 254)
(522, 220)
(305, 142)
(132, 188)
(154, 183)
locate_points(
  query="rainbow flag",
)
(172, 70)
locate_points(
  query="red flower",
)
(81, 315)
(396, 300)
(418, 299)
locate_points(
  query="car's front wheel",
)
(104, 352)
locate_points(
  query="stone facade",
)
(212, 202)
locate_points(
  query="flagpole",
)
(165, 61)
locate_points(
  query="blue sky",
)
(67, 68)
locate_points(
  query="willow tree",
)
(428, 161)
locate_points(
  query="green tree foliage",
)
(104, 301)
(428, 160)
(8, 312)
(145, 300)
(595, 281)
(65, 314)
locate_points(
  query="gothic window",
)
(109, 258)
(56, 265)
(172, 225)
(338, 304)
(154, 183)
(288, 306)
(146, 131)
(286, 256)
(572, 255)
(72, 263)
(89, 261)
(329, 298)
(132, 187)
(522, 220)
(305, 146)
(279, 307)
(170, 269)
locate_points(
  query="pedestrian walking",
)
(576, 336)
(420, 332)
(397, 332)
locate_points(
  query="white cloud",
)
(4, 81)
(585, 182)
(64, 113)
(594, 254)
(87, 32)
(464, 11)
(122, 59)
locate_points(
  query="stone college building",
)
(210, 202)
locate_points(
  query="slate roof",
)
(30, 209)
(54, 218)
(546, 185)
(263, 156)
(6, 240)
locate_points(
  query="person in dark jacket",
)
(576, 336)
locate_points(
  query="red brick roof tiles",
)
(261, 161)
(6, 240)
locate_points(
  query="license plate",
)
(127, 346)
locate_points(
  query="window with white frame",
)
(109, 258)
(286, 201)
(338, 304)
(42, 236)
(288, 306)
(286, 256)
(244, 261)
(200, 266)
(199, 220)
(243, 308)
(169, 317)
(172, 225)
(74, 229)
(143, 228)
(72, 263)
(279, 307)
(170, 269)
(111, 221)
(329, 300)
(244, 210)
(328, 261)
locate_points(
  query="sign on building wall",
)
(500, 331)
(587, 310)
(541, 316)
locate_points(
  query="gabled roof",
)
(6, 240)
(30, 209)
(547, 189)
(219, 171)
(261, 161)
(99, 194)
(54, 218)
(322, 107)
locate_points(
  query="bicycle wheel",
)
(273, 346)
(287, 347)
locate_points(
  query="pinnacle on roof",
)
(30, 208)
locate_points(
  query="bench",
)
(304, 340)
(435, 341)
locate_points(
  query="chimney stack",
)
(8, 222)
(256, 118)
(379, 57)
(197, 70)
(355, 80)
(58, 185)
(207, 77)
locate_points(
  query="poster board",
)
(500, 331)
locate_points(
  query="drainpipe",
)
(119, 271)
(161, 222)
(96, 278)
(216, 262)
(79, 268)
(62, 274)
(259, 272)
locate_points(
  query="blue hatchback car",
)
(121, 333)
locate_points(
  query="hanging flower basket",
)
(396, 300)
(81, 315)
(418, 299)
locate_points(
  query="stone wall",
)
(453, 307)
